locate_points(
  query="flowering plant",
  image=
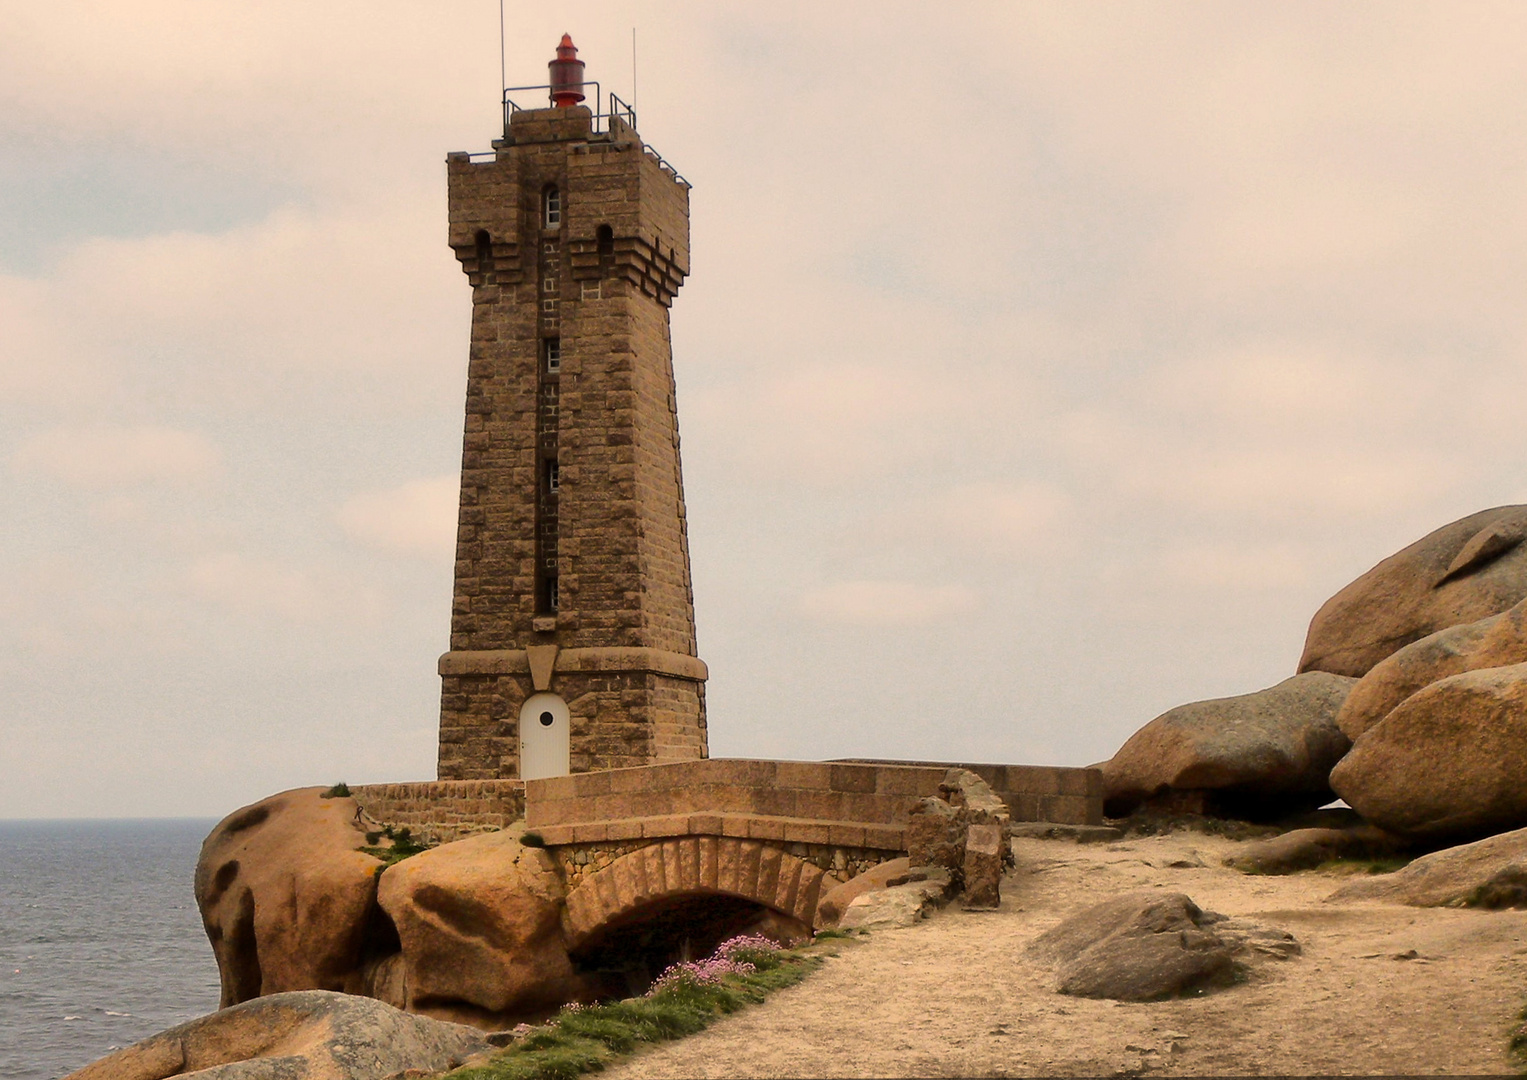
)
(740, 946)
(735, 956)
(698, 973)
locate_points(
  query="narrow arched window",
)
(484, 255)
(551, 207)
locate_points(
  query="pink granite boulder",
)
(1465, 571)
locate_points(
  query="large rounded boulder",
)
(1448, 763)
(1498, 641)
(306, 1035)
(1463, 572)
(480, 925)
(288, 900)
(1254, 756)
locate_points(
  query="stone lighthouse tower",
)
(572, 627)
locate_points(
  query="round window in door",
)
(545, 737)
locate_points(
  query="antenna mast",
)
(633, 66)
(503, 69)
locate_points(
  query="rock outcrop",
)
(936, 835)
(1496, 641)
(1137, 947)
(1448, 762)
(1147, 945)
(1487, 873)
(883, 876)
(1258, 756)
(965, 831)
(985, 859)
(899, 905)
(479, 923)
(308, 1035)
(288, 900)
(1463, 572)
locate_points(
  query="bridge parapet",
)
(846, 804)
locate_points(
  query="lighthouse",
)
(572, 642)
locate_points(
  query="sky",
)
(1042, 366)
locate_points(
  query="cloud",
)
(256, 587)
(998, 518)
(827, 425)
(106, 457)
(1282, 482)
(416, 518)
(1230, 568)
(286, 311)
(885, 603)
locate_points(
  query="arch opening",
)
(631, 951)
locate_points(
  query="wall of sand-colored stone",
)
(438, 812)
(621, 549)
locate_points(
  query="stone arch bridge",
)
(633, 843)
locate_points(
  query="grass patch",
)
(685, 999)
(1357, 865)
(401, 847)
(830, 934)
(340, 790)
(1516, 1043)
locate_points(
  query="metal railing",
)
(623, 110)
(619, 110)
(511, 106)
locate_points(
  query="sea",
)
(100, 941)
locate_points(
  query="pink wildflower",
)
(745, 943)
(699, 972)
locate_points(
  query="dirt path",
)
(956, 996)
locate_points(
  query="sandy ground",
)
(956, 995)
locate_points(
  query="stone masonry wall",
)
(619, 720)
(599, 282)
(439, 812)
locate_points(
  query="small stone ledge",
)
(846, 834)
(568, 661)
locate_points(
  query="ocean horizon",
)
(101, 944)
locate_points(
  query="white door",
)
(545, 737)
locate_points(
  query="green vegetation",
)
(340, 790)
(532, 839)
(686, 999)
(401, 847)
(829, 935)
(1355, 865)
(1516, 1044)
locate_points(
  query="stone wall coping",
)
(881, 778)
(846, 834)
(1074, 780)
(868, 794)
(517, 662)
(443, 788)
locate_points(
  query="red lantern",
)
(566, 75)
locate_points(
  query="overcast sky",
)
(1042, 366)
